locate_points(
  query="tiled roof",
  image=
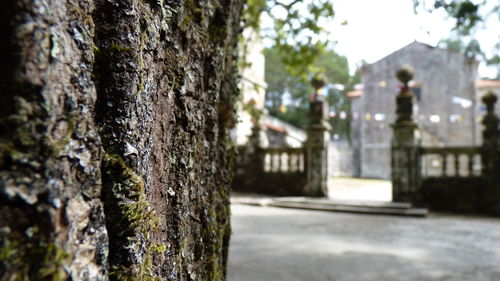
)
(354, 94)
(274, 128)
(485, 84)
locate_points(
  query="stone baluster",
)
(444, 162)
(316, 146)
(405, 158)
(290, 158)
(491, 138)
(255, 152)
(490, 155)
(470, 159)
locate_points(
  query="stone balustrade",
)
(444, 178)
(284, 160)
(450, 161)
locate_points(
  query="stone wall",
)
(252, 85)
(340, 159)
(456, 194)
(440, 75)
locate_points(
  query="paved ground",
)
(359, 189)
(272, 244)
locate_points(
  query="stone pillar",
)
(316, 146)
(405, 165)
(254, 161)
(490, 151)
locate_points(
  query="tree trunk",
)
(114, 152)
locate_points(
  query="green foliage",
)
(295, 33)
(130, 219)
(495, 61)
(253, 11)
(469, 16)
(471, 49)
(296, 116)
(283, 87)
(465, 13)
(254, 112)
(452, 44)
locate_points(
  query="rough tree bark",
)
(114, 152)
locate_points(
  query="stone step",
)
(253, 201)
(323, 204)
(353, 203)
(414, 212)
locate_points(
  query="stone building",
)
(444, 108)
(252, 86)
(273, 131)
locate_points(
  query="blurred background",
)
(355, 48)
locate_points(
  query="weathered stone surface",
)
(286, 171)
(472, 192)
(490, 151)
(405, 162)
(440, 75)
(454, 194)
(283, 176)
(316, 150)
(113, 138)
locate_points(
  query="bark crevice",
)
(113, 138)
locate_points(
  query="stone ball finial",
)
(318, 81)
(405, 74)
(489, 98)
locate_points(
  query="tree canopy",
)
(287, 95)
(293, 27)
(469, 17)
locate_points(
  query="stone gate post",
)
(316, 146)
(405, 164)
(490, 151)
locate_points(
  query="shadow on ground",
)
(270, 244)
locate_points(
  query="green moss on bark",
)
(24, 257)
(193, 14)
(104, 56)
(130, 222)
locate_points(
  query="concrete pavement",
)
(272, 244)
(355, 195)
(359, 189)
(331, 205)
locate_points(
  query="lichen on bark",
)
(130, 221)
(114, 138)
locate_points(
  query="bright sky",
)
(377, 28)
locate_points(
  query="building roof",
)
(278, 125)
(487, 84)
(416, 44)
(354, 94)
(480, 84)
(273, 128)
